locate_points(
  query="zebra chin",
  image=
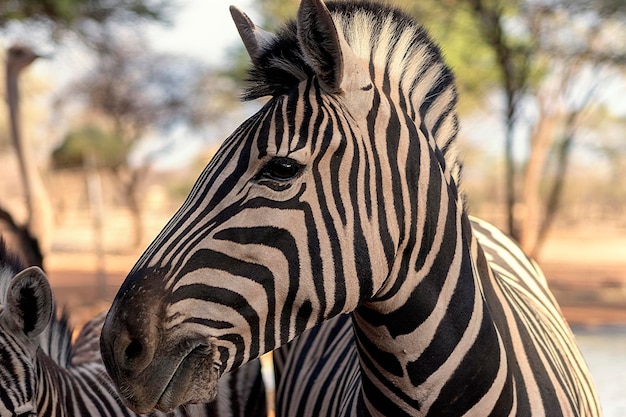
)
(169, 382)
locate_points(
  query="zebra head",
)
(25, 311)
(297, 218)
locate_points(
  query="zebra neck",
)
(50, 378)
(69, 391)
(56, 341)
(413, 341)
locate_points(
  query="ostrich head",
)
(19, 57)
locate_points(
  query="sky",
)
(201, 28)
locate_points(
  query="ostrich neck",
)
(13, 99)
(37, 204)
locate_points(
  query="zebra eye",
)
(280, 169)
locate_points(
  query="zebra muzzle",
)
(181, 373)
(153, 368)
(194, 380)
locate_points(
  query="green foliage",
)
(275, 12)
(61, 10)
(454, 28)
(105, 149)
(70, 14)
(138, 90)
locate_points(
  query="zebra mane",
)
(391, 40)
(56, 340)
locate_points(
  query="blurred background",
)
(114, 108)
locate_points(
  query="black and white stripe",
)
(319, 374)
(42, 373)
(338, 205)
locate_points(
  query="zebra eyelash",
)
(278, 172)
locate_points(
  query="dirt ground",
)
(586, 270)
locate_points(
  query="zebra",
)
(320, 370)
(337, 209)
(42, 373)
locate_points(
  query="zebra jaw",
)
(174, 380)
(182, 389)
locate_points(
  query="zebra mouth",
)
(193, 380)
(187, 374)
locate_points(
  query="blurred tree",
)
(92, 149)
(511, 57)
(607, 141)
(81, 17)
(69, 12)
(545, 53)
(274, 13)
(138, 92)
(58, 17)
(540, 55)
(90, 141)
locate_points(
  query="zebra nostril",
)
(133, 350)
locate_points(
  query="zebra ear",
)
(321, 43)
(29, 301)
(254, 38)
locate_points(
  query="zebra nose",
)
(130, 335)
(128, 343)
(133, 352)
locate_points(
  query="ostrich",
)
(38, 208)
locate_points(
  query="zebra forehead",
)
(285, 127)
